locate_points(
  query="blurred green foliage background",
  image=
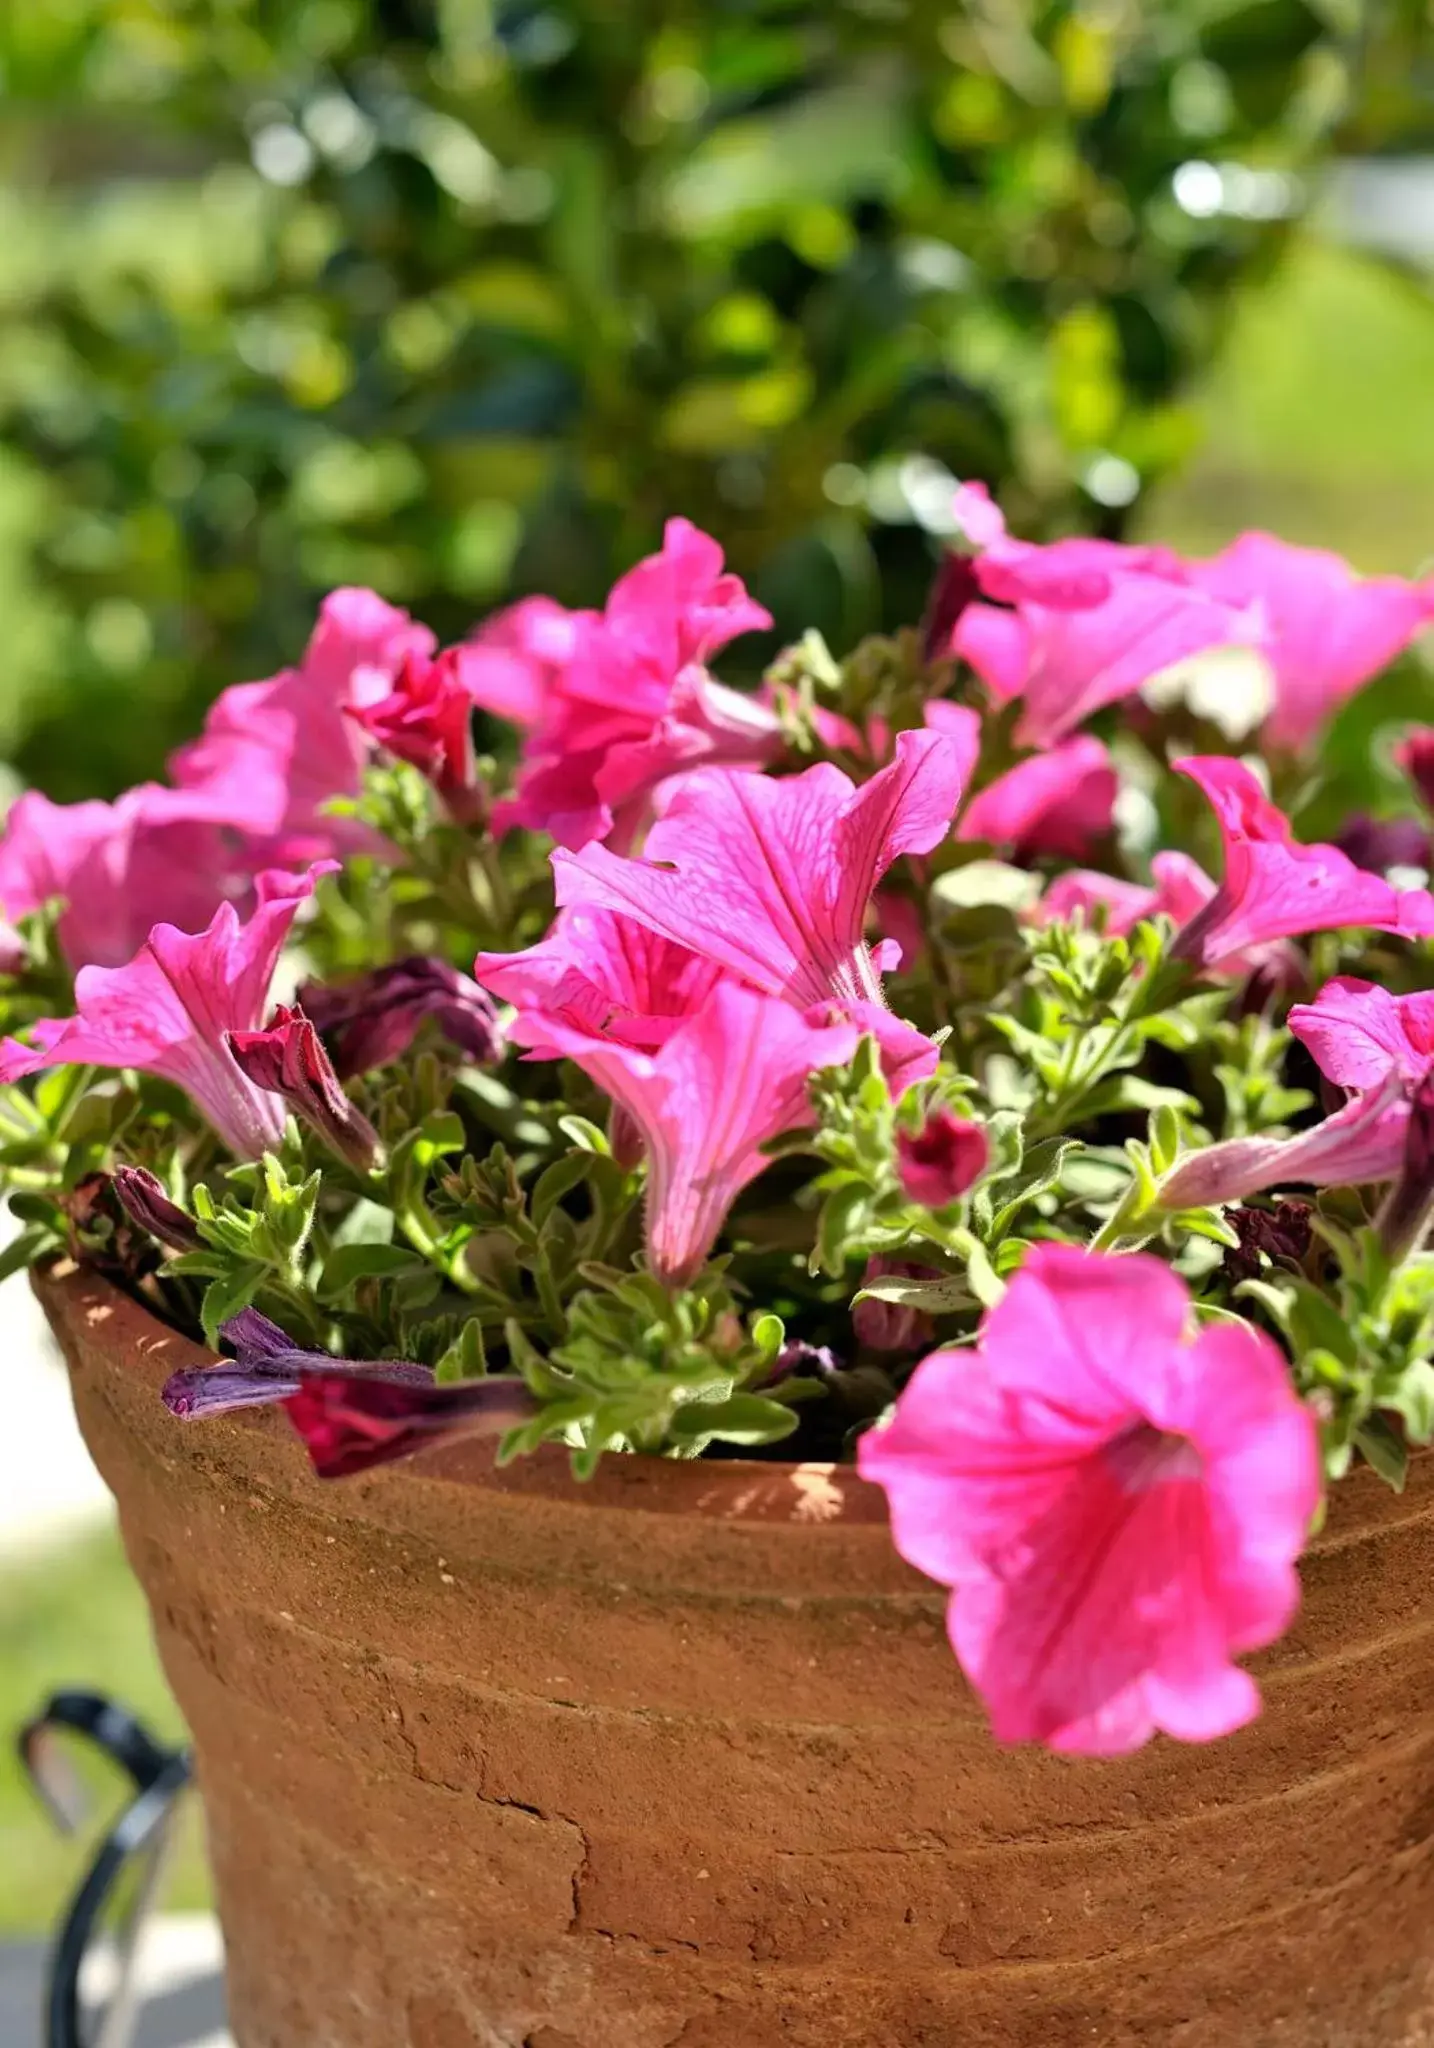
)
(462, 297)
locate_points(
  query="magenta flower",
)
(1327, 630)
(427, 720)
(515, 660)
(1090, 621)
(634, 704)
(1117, 1506)
(602, 974)
(1274, 888)
(771, 877)
(1359, 1034)
(1059, 803)
(273, 754)
(938, 1163)
(119, 869)
(731, 1077)
(1362, 1038)
(288, 1059)
(169, 1010)
(372, 1020)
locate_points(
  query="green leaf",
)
(943, 1296)
(24, 1250)
(466, 1358)
(226, 1297)
(740, 1419)
(1384, 1449)
(347, 1264)
(557, 1180)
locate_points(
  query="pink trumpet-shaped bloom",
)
(1380, 1047)
(1274, 888)
(1059, 803)
(514, 661)
(119, 868)
(1091, 621)
(170, 1009)
(1359, 1034)
(731, 1077)
(633, 703)
(1117, 1504)
(273, 754)
(602, 974)
(771, 877)
(1327, 631)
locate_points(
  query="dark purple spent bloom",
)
(288, 1059)
(1383, 843)
(798, 1360)
(955, 586)
(350, 1425)
(144, 1200)
(373, 1020)
(269, 1366)
(1283, 1235)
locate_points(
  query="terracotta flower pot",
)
(680, 1759)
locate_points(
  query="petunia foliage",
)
(947, 1056)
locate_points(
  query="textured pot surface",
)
(680, 1759)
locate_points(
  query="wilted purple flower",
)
(1283, 1235)
(351, 1415)
(372, 1020)
(145, 1202)
(1380, 844)
(288, 1059)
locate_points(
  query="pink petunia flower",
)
(514, 661)
(1327, 631)
(1274, 888)
(731, 1077)
(633, 703)
(603, 974)
(1181, 888)
(273, 754)
(1117, 1504)
(770, 877)
(1059, 803)
(427, 720)
(119, 868)
(1088, 623)
(169, 1010)
(1380, 1047)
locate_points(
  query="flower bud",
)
(938, 1163)
(955, 586)
(427, 719)
(373, 1020)
(14, 953)
(289, 1060)
(1416, 757)
(143, 1198)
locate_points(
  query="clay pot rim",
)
(814, 1495)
